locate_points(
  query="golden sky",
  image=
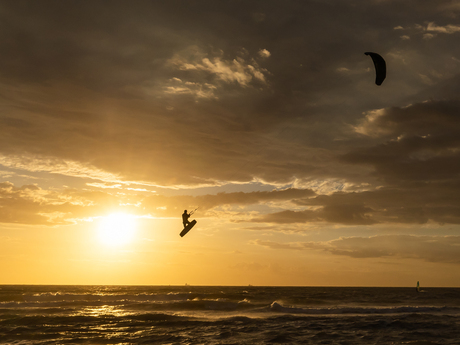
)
(116, 116)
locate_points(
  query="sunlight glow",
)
(117, 229)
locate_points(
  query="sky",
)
(263, 116)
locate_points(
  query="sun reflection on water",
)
(104, 310)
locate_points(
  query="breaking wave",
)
(277, 307)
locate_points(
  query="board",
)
(188, 228)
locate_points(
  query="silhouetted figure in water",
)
(185, 217)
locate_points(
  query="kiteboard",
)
(188, 228)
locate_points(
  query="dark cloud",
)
(288, 216)
(186, 86)
(172, 205)
(416, 203)
(206, 93)
(417, 163)
(348, 214)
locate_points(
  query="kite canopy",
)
(380, 67)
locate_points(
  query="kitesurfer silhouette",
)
(185, 217)
(187, 225)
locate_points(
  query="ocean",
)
(227, 315)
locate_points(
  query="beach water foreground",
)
(227, 315)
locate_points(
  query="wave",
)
(195, 305)
(63, 299)
(277, 307)
(148, 303)
(60, 296)
(64, 320)
(143, 304)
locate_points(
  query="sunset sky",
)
(115, 116)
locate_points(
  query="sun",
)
(117, 229)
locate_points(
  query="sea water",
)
(227, 315)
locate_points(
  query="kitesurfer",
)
(185, 217)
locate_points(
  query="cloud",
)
(433, 117)
(159, 94)
(25, 205)
(234, 71)
(276, 245)
(422, 142)
(264, 53)
(199, 90)
(447, 29)
(31, 204)
(348, 214)
(427, 248)
(172, 205)
(428, 36)
(410, 202)
(407, 204)
(288, 217)
(56, 166)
